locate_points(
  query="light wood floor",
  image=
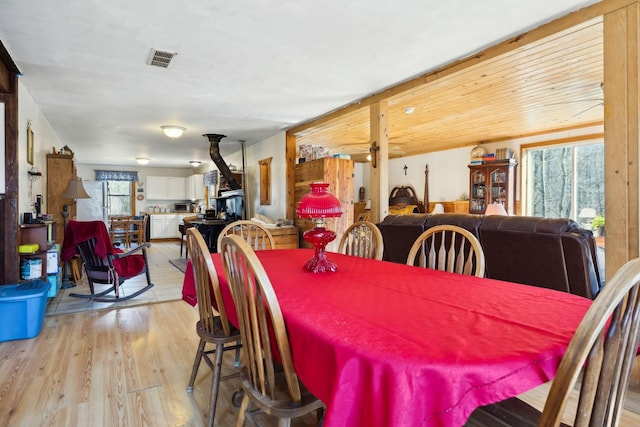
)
(166, 278)
(126, 366)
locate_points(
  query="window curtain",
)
(116, 175)
(210, 178)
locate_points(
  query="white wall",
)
(448, 174)
(274, 147)
(45, 139)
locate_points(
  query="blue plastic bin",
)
(22, 309)
(56, 283)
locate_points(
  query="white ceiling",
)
(246, 69)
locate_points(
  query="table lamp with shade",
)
(495, 209)
(75, 190)
(318, 205)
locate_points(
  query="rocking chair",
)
(102, 262)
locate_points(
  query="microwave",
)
(181, 207)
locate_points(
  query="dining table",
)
(387, 344)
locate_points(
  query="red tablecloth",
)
(384, 344)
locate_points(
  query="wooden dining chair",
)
(257, 236)
(182, 228)
(119, 231)
(137, 230)
(213, 326)
(269, 380)
(448, 248)
(596, 366)
(362, 239)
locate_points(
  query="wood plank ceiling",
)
(552, 84)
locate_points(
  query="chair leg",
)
(242, 412)
(196, 365)
(181, 244)
(284, 422)
(320, 416)
(215, 385)
(236, 362)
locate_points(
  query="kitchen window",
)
(119, 197)
(120, 190)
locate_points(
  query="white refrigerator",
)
(94, 208)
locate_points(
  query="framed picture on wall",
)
(29, 145)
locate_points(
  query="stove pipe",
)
(214, 152)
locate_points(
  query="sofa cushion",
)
(584, 268)
(398, 233)
(543, 252)
(469, 222)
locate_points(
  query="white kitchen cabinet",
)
(156, 188)
(164, 226)
(195, 187)
(166, 188)
(176, 188)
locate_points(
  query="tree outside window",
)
(565, 180)
(119, 197)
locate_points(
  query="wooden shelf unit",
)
(42, 234)
(492, 182)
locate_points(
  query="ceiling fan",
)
(598, 102)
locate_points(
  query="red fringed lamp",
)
(318, 205)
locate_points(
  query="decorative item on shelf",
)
(318, 205)
(66, 151)
(495, 209)
(75, 190)
(489, 157)
(478, 152)
(503, 153)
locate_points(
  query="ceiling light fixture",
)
(142, 160)
(409, 110)
(195, 163)
(173, 131)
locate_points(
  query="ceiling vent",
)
(160, 58)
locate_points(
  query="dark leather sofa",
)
(551, 253)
